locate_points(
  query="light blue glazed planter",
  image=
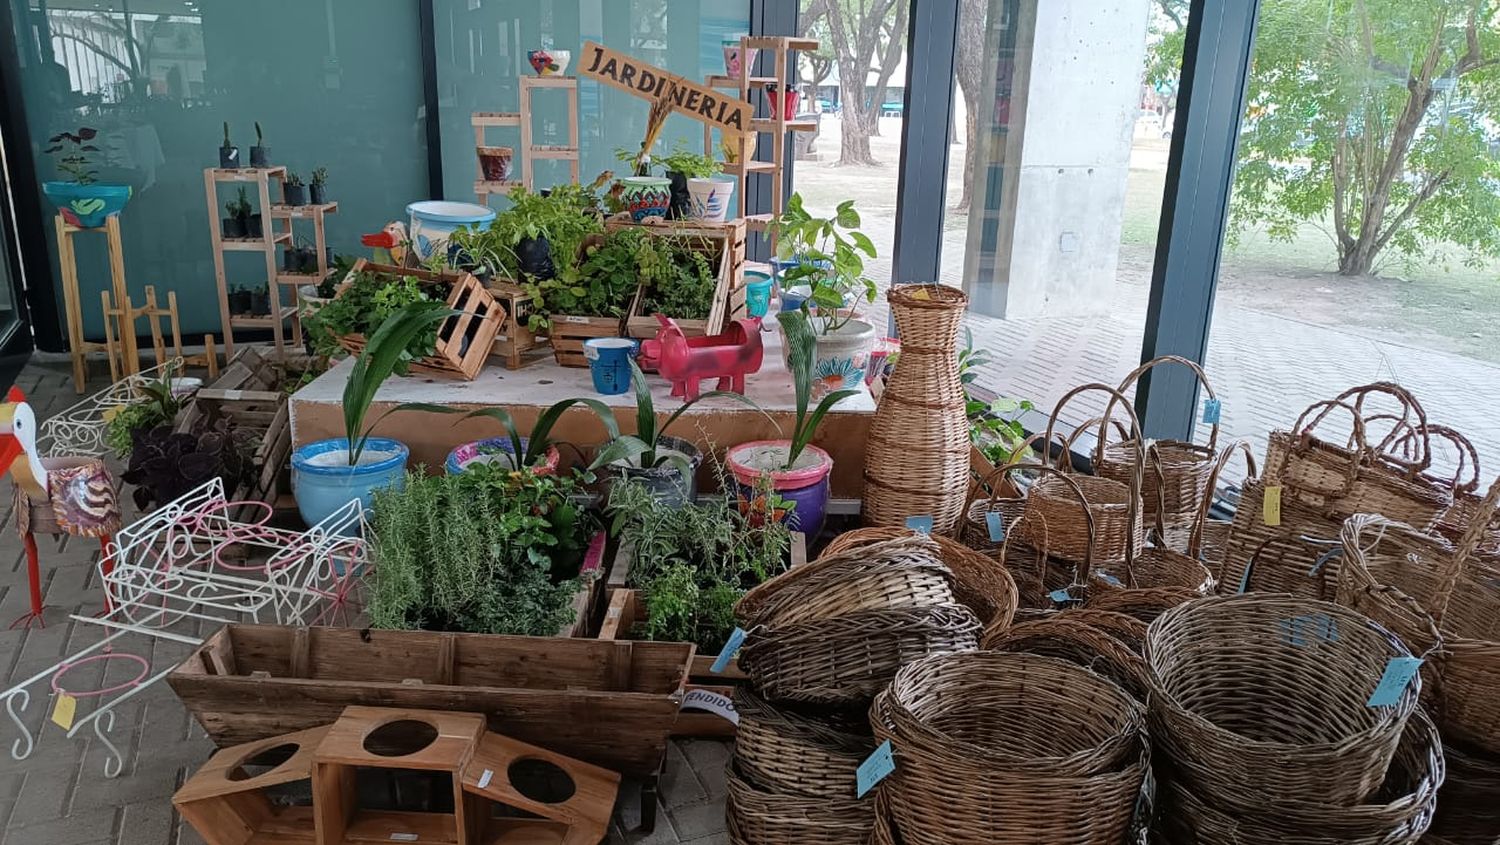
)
(87, 206)
(323, 489)
(433, 221)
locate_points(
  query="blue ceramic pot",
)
(322, 486)
(490, 450)
(87, 206)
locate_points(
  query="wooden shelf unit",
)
(778, 51)
(527, 151)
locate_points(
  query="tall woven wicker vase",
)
(917, 454)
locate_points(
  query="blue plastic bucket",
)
(433, 221)
(322, 486)
(609, 363)
(757, 293)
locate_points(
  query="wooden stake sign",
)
(729, 114)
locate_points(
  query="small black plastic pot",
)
(260, 303)
(307, 260)
(534, 256)
(253, 227)
(289, 260)
(317, 192)
(258, 156)
(239, 302)
(233, 227)
(328, 257)
(229, 158)
(294, 194)
(682, 201)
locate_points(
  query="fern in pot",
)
(822, 263)
(795, 471)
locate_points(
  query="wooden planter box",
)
(612, 704)
(514, 339)
(464, 340)
(725, 243)
(569, 332)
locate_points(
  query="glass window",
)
(334, 84)
(482, 48)
(1363, 243)
(1061, 127)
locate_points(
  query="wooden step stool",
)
(228, 808)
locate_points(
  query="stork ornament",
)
(62, 495)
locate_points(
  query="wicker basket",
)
(795, 753)
(1128, 630)
(1110, 518)
(1037, 574)
(1341, 481)
(1457, 517)
(996, 492)
(902, 572)
(847, 659)
(1468, 811)
(1399, 812)
(1470, 656)
(1143, 605)
(1288, 558)
(917, 452)
(1173, 490)
(1209, 539)
(1397, 576)
(1078, 642)
(976, 741)
(979, 582)
(1265, 695)
(756, 816)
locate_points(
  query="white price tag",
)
(719, 705)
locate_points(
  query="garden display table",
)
(713, 425)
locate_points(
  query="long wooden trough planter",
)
(612, 704)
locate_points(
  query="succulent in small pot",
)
(307, 259)
(293, 190)
(317, 189)
(239, 300)
(260, 302)
(259, 154)
(234, 224)
(229, 154)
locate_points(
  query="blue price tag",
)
(920, 524)
(1060, 596)
(1245, 579)
(736, 639)
(1398, 674)
(1111, 580)
(997, 526)
(1324, 558)
(1212, 408)
(1319, 625)
(874, 769)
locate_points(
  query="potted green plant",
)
(229, 154)
(361, 307)
(317, 189)
(544, 233)
(158, 404)
(698, 190)
(327, 474)
(254, 224)
(259, 154)
(293, 191)
(798, 471)
(235, 224)
(823, 265)
(535, 453)
(239, 300)
(666, 465)
(677, 279)
(260, 301)
(82, 199)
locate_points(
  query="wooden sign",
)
(719, 110)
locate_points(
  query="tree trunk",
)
(890, 57)
(854, 139)
(969, 69)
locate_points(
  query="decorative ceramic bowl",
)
(549, 62)
(86, 206)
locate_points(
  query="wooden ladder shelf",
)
(529, 151)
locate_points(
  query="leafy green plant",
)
(369, 300)
(690, 164)
(994, 425)
(320, 176)
(77, 164)
(830, 254)
(565, 216)
(157, 406)
(293, 179)
(384, 351)
(486, 551)
(801, 344)
(643, 446)
(535, 450)
(676, 277)
(601, 286)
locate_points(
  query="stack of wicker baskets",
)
(1260, 714)
(823, 639)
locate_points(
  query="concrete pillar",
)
(1054, 154)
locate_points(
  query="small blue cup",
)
(609, 363)
(757, 293)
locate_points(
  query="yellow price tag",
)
(63, 711)
(1270, 511)
(921, 294)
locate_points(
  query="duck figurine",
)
(59, 495)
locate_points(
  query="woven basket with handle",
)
(917, 453)
(1036, 571)
(1266, 695)
(1075, 641)
(798, 753)
(903, 571)
(1209, 539)
(758, 816)
(1157, 565)
(996, 492)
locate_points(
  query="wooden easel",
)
(127, 314)
(72, 300)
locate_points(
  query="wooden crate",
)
(727, 242)
(612, 704)
(514, 339)
(569, 332)
(464, 340)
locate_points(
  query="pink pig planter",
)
(687, 361)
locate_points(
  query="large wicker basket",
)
(917, 455)
(1074, 640)
(1172, 491)
(1266, 696)
(798, 753)
(903, 571)
(1143, 605)
(979, 582)
(757, 816)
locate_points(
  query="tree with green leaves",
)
(1377, 118)
(867, 36)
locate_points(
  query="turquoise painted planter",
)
(322, 488)
(87, 206)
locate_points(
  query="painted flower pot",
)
(323, 481)
(646, 196)
(668, 482)
(841, 356)
(804, 485)
(786, 101)
(496, 450)
(549, 62)
(494, 163)
(710, 198)
(87, 206)
(757, 293)
(736, 58)
(433, 221)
